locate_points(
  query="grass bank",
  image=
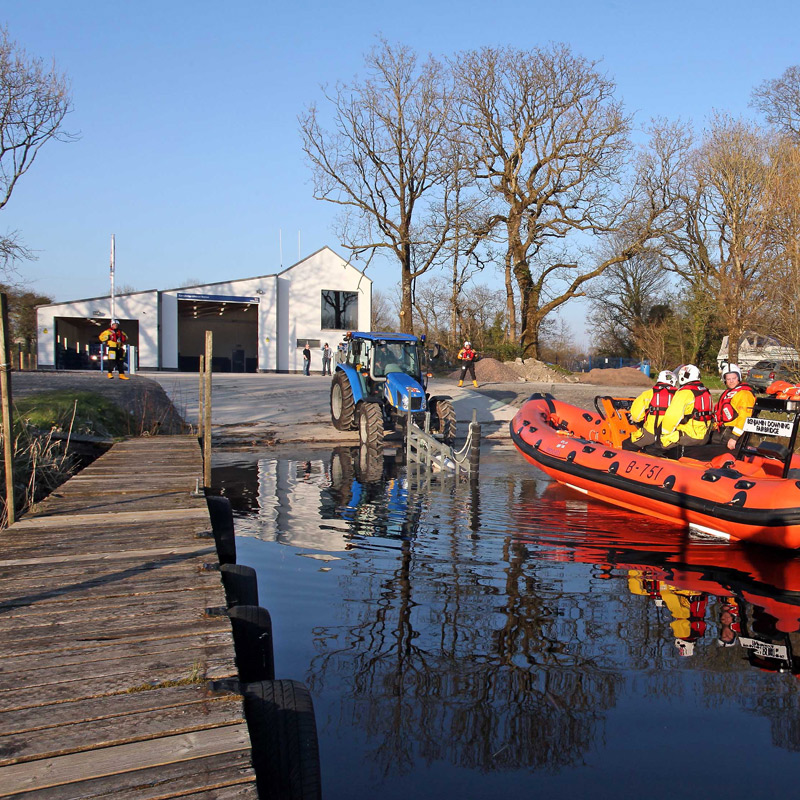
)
(56, 434)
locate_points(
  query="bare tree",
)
(383, 318)
(382, 160)
(627, 297)
(783, 209)
(779, 100)
(550, 145)
(34, 99)
(720, 243)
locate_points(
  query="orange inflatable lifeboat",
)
(750, 494)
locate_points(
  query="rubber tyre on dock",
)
(443, 420)
(283, 733)
(252, 643)
(240, 584)
(370, 425)
(343, 407)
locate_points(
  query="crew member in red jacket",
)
(114, 340)
(734, 406)
(467, 356)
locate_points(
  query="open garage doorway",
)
(78, 342)
(234, 324)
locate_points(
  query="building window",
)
(339, 310)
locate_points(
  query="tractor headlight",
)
(404, 402)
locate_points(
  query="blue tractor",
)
(380, 382)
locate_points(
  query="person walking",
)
(326, 359)
(114, 340)
(306, 360)
(467, 356)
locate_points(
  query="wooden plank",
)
(43, 717)
(162, 648)
(200, 589)
(18, 699)
(189, 550)
(80, 736)
(225, 775)
(44, 522)
(35, 775)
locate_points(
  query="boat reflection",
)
(754, 591)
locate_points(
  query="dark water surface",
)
(514, 637)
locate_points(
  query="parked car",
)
(764, 373)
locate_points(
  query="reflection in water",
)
(512, 625)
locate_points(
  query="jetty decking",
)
(117, 673)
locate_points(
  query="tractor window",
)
(395, 357)
(355, 354)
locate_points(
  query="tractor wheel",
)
(342, 404)
(370, 425)
(445, 422)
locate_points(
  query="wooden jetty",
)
(117, 673)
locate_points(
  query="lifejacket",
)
(466, 354)
(113, 339)
(703, 404)
(659, 402)
(725, 412)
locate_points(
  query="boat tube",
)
(750, 494)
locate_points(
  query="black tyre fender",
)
(342, 403)
(444, 419)
(283, 734)
(240, 584)
(370, 424)
(252, 643)
(221, 513)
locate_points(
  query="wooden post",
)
(200, 396)
(207, 411)
(5, 401)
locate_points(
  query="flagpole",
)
(113, 298)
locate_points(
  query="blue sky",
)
(189, 149)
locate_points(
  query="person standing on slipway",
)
(306, 360)
(467, 356)
(114, 340)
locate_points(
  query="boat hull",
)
(745, 500)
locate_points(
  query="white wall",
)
(141, 306)
(300, 304)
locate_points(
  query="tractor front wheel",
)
(370, 425)
(342, 404)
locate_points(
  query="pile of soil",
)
(534, 371)
(626, 376)
(490, 370)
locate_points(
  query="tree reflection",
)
(447, 664)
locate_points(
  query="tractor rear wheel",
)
(370, 425)
(445, 420)
(342, 403)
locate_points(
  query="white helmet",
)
(688, 374)
(115, 322)
(467, 344)
(729, 368)
(666, 376)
